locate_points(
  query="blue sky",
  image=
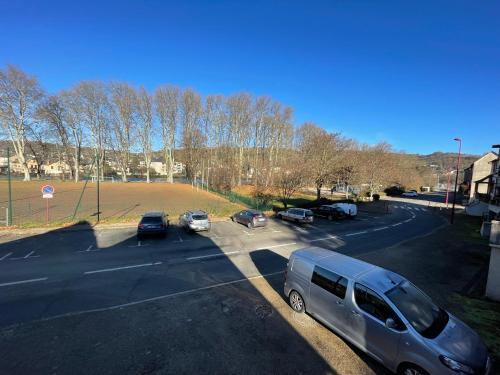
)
(416, 74)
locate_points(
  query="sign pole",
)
(47, 212)
(9, 212)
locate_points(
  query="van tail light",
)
(141, 226)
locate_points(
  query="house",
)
(179, 167)
(475, 174)
(159, 167)
(481, 183)
(56, 169)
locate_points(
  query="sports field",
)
(119, 202)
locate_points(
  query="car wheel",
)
(249, 225)
(330, 217)
(411, 369)
(279, 217)
(232, 219)
(296, 302)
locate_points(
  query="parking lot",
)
(208, 302)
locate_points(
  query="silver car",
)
(297, 215)
(194, 221)
(383, 314)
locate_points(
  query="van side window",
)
(330, 281)
(371, 303)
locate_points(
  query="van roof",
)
(372, 276)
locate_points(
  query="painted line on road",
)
(407, 220)
(212, 255)
(395, 225)
(24, 281)
(5, 256)
(275, 246)
(355, 234)
(165, 296)
(381, 228)
(323, 239)
(122, 268)
(29, 254)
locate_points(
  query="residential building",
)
(474, 176)
(56, 169)
(494, 186)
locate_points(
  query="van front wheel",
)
(296, 302)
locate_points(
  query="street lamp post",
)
(456, 179)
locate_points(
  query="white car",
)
(298, 215)
(411, 193)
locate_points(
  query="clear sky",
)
(414, 73)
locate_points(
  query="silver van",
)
(383, 314)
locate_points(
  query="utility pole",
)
(9, 208)
(98, 178)
(456, 180)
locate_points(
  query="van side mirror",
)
(391, 324)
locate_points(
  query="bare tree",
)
(375, 166)
(192, 137)
(167, 107)
(122, 132)
(52, 112)
(321, 151)
(289, 179)
(239, 108)
(74, 127)
(145, 127)
(19, 95)
(92, 106)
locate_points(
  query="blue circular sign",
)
(47, 189)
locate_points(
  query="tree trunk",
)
(26, 171)
(124, 174)
(318, 193)
(346, 191)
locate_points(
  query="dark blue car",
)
(152, 223)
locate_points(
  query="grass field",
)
(120, 202)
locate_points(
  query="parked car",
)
(250, 218)
(411, 193)
(382, 314)
(194, 221)
(331, 213)
(153, 223)
(350, 209)
(298, 215)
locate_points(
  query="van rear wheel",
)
(296, 302)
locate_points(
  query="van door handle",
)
(339, 303)
(355, 313)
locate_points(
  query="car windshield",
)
(423, 315)
(151, 220)
(309, 213)
(200, 217)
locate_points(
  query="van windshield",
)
(424, 316)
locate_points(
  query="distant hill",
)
(445, 160)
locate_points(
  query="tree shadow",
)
(73, 298)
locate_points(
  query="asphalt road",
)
(49, 279)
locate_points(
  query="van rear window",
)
(330, 281)
(200, 217)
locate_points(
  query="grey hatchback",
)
(250, 218)
(383, 314)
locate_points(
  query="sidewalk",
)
(451, 266)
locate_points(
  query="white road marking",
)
(301, 230)
(355, 234)
(89, 248)
(381, 228)
(165, 296)
(416, 208)
(212, 255)
(24, 281)
(29, 254)
(395, 225)
(6, 256)
(275, 246)
(423, 209)
(323, 239)
(407, 220)
(122, 268)
(277, 231)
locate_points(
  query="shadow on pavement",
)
(123, 308)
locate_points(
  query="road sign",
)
(48, 191)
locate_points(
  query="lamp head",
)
(457, 139)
